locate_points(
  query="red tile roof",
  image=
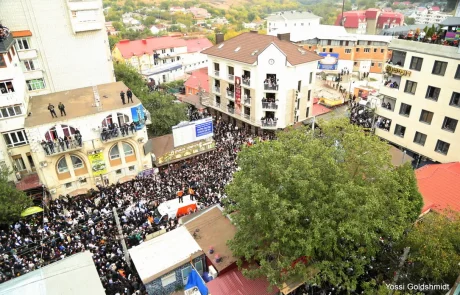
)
(352, 18)
(319, 109)
(148, 46)
(439, 185)
(371, 13)
(389, 18)
(197, 45)
(234, 283)
(435, 8)
(197, 77)
(28, 182)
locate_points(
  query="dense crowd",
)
(73, 225)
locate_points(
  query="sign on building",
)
(97, 164)
(189, 132)
(238, 90)
(396, 70)
(139, 117)
(329, 62)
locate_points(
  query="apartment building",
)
(99, 140)
(61, 45)
(431, 15)
(163, 59)
(419, 108)
(260, 82)
(354, 52)
(290, 22)
(371, 21)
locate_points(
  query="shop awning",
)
(77, 192)
(24, 33)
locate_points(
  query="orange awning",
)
(25, 33)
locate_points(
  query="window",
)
(449, 124)
(30, 65)
(405, 109)
(68, 185)
(310, 80)
(199, 267)
(372, 64)
(426, 117)
(330, 50)
(62, 165)
(382, 50)
(380, 64)
(171, 50)
(308, 112)
(324, 49)
(309, 95)
(9, 56)
(348, 51)
(131, 168)
(185, 272)
(432, 93)
(168, 279)
(410, 87)
(367, 50)
(77, 163)
(420, 138)
(357, 49)
(442, 147)
(439, 68)
(10, 111)
(375, 50)
(15, 138)
(114, 153)
(6, 87)
(457, 73)
(163, 50)
(118, 171)
(455, 100)
(2, 61)
(22, 44)
(400, 130)
(36, 84)
(19, 164)
(416, 63)
(84, 16)
(299, 85)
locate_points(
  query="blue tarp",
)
(194, 280)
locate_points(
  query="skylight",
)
(255, 52)
(237, 49)
(221, 45)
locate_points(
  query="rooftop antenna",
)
(97, 99)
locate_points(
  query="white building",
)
(62, 45)
(421, 111)
(429, 16)
(156, 29)
(290, 22)
(261, 82)
(73, 153)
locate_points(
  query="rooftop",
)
(78, 103)
(439, 185)
(74, 275)
(451, 21)
(198, 44)
(163, 254)
(425, 48)
(148, 46)
(252, 44)
(198, 78)
(291, 15)
(214, 231)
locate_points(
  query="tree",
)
(12, 201)
(325, 198)
(435, 248)
(113, 39)
(162, 106)
(409, 20)
(251, 16)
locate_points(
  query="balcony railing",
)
(230, 94)
(392, 85)
(269, 105)
(231, 110)
(247, 117)
(6, 40)
(216, 73)
(247, 82)
(116, 133)
(52, 148)
(231, 77)
(247, 101)
(269, 122)
(217, 104)
(270, 87)
(216, 89)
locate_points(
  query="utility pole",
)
(121, 237)
(341, 20)
(401, 264)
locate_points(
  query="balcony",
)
(230, 94)
(247, 117)
(270, 87)
(216, 73)
(231, 77)
(383, 123)
(77, 5)
(53, 148)
(387, 104)
(231, 110)
(217, 104)
(216, 89)
(247, 101)
(27, 54)
(6, 41)
(87, 26)
(269, 105)
(269, 122)
(31, 75)
(114, 134)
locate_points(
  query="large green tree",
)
(12, 201)
(165, 111)
(326, 196)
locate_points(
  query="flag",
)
(194, 280)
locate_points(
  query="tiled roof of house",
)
(197, 79)
(246, 48)
(390, 17)
(198, 45)
(439, 185)
(291, 15)
(352, 18)
(148, 46)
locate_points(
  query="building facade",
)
(290, 22)
(61, 45)
(371, 21)
(260, 82)
(163, 59)
(98, 141)
(429, 16)
(421, 99)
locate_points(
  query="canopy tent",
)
(31, 211)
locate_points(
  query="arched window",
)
(114, 152)
(51, 134)
(77, 163)
(107, 121)
(122, 119)
(62, 165)
(127, 149)
(68, 130)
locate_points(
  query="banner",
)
(329, 62)
(139, 117)
(97, 164)
(398, 71)
(185, 152)
(238, 90)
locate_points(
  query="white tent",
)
(74, 275)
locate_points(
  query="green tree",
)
(12, 201)
(327, 197)
(251, 16)
(435, 248)
(118, 25)
(113, 39)
(409, 20)
(161, 105)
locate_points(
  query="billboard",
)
(139, 117)
(184, 152)
(329, 62)
(188, 132)
(98, 165)
(238, 90)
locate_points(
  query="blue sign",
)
(139, 117)
(203, 129)
(329, 62)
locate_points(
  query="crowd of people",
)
(72, 225)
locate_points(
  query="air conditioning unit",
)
(53, 191)
(212, 272)
(43, 164)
